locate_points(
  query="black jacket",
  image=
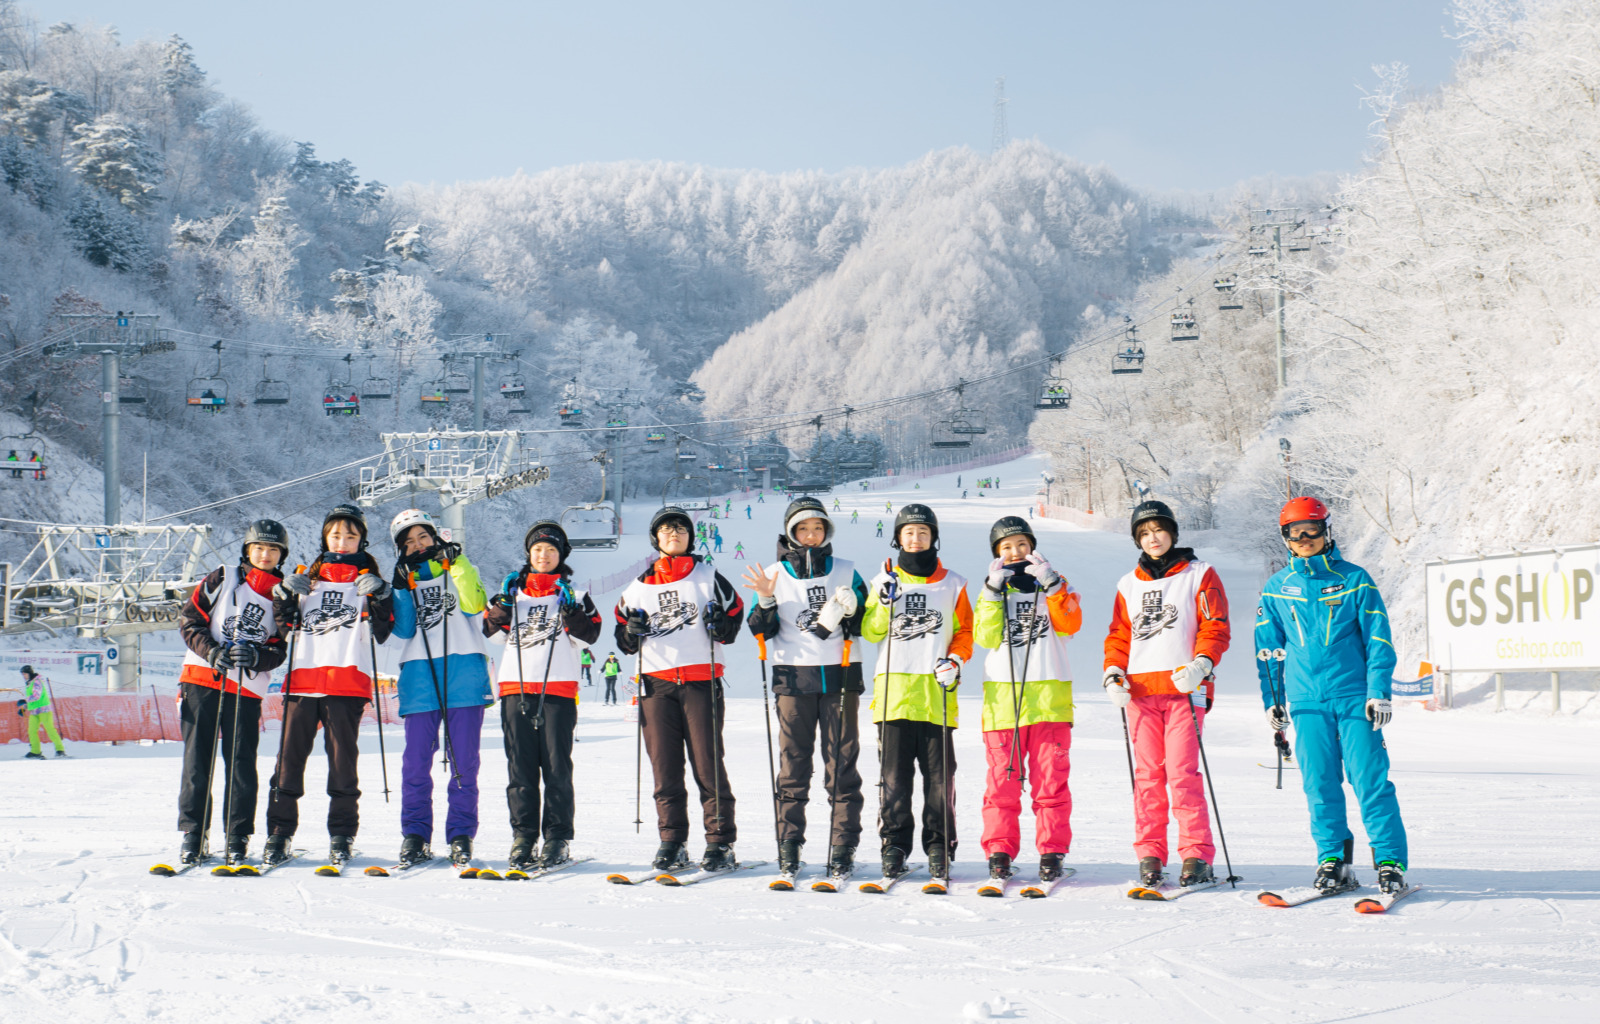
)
(795, 680)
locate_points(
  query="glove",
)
(219, 659)
(565, 596)
(244, 655)
(712, 615)
(370, 584)
(22, 709)
(995, 582)
(638, 622)
(296, 583)
(947, 673)
(1278, 717)
(1048, 579)
(840, 606)
(1116, 685)
(451, 552)
(1379, 711)
(1187, 678)
(887, 586)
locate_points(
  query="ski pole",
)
(221, 679)
(427, 649)
(283, 705)
(1022, 693)
(1215, 810)
(1011, 663)
(638, 739)
(1127, 745)
(716, 752)
(766, 713)
(231, 762)
(377, 705)
(883, 712)
(522, 677)
(945, 775)
(838, 747)
(444, 641)
(538, 713)
(1280, 743)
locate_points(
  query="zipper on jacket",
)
(1295, 616)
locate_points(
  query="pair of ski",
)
(1146, 892)
(1365, 905)
(678, 879)
(475, 870)
(240, 870)
(1027, 888)
(785, 882)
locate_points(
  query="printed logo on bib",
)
(1154, 616)
(1026, 627)
(816, 597)
(540, 626)
(916, 620)
(435, 604)
(330, 615)
(247, 625)
(674, 615)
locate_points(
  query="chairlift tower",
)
(494, 345)
(1277, 220)
(463, 466)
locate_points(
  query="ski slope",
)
(1503, 812)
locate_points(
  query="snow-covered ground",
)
(1503, 812)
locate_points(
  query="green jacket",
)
(914, 695)
(37, 695)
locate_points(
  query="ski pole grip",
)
(761, 647)
(846, 653)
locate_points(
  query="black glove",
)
(22, 709)
(638, 622)
(449, 552)
(244, 655)
(219, 659)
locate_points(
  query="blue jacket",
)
(466, 684)
(1322, 635)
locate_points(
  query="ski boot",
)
(1391, 878)
(340, 849)
(276, 851)
(522, 857)
(670, 856)
(237, 850)
(1049, 867)
(789, 856)
(999, 866)
(189, 851)
(461, 851)
(554, 854)
(1151, 874)
(1195, 872)
(61, 753)
(894, 862)
(718, 857)
(31, 756)
(842, 860)
(938, 863)
(1335, 875)
(413, 851)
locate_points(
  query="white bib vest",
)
(538, 626)
(923, 625)
(330, 632)
(799, 601)
(1163, 618)
(239, 615)
(677, 629)
(1045, 658)
(438, 610)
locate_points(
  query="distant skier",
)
(609, 671)
(880, 528)
(1332, 679)
(585, 656)
(747, 511)
(738, 550)
(717, 537)
(41, 720)
(673, 615)
(1169, 629)
(233, 637)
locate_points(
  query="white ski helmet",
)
(406, 520)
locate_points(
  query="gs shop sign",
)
(1525, 611)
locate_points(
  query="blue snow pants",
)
(1332, 747)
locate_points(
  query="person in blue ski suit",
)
(1326, 662)
(434, 666)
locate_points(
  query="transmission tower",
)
(1002, 133)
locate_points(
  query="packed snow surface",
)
(1503, 813)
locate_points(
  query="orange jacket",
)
(1211, 637)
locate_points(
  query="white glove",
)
(1379, 711)
(1187, 678)
(947, 672)
(370, 584)
(995, 582)
(294, 583)
(1040, 570)
(885, 580)
(1278, 718)
(1116, 685)
(840, 606)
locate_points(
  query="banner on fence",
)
(1518, 612)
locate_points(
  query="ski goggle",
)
(1309, 529)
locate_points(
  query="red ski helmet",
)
(1300, 510)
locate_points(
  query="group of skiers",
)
(1324, 662)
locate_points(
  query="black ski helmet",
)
(352, 513)
(1010, 526)
(549, 531)
(670, 514)
(28, 671)
(800, 510)
(265, 531)
(1152, 509)
(916, 514)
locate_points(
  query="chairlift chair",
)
(606, 542)
(571, 415)
(957, 439)
(616, 423)
(1129, 359)
(375, 388)
(512, 387)
(433, 394)
(456, 382)
(208, 394)
(340, 397)
(132, 390)
(1055, 393)
(964, 425)
(655, 440)
(270, 391)
(1183, 325)
(1259, 250)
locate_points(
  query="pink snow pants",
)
(1166, 752)
(1046, 748)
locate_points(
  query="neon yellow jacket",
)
(1047, 699)
(914, 695)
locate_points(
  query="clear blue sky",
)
(1190, 94)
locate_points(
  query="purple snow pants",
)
(416, 787)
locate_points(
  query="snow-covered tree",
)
(112, 156)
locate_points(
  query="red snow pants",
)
(1046, 748)
(1166, 752)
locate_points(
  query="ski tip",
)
(376, 872)
(619, 879)
(1370, 906)
(1141, 893)
(1032, 893)
(823, 887)
(781, 885)
(936, 889)
(224, 871)
(490, 875)
(164, 870)
(1271, 899)
(327, 871)
(990, 890)
(516, 876)
(872, 887)
(246, 871)
(670, 880)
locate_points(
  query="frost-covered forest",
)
(1437, 305)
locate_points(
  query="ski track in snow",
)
(1503, 813)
